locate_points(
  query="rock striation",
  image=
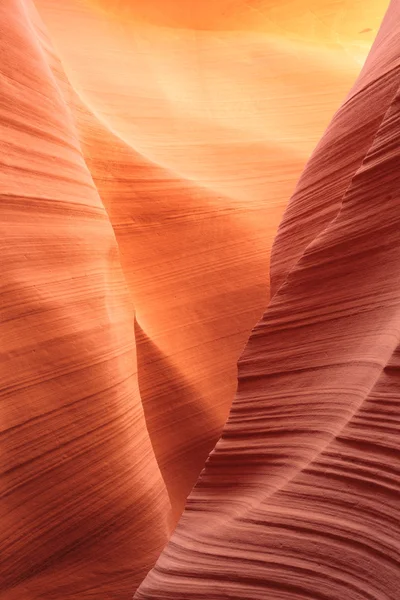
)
(147, 153)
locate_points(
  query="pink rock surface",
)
(147, 153)
(299, 498)
(84, 511)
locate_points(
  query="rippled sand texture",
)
(147, 153)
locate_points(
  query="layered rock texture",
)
(148, 151)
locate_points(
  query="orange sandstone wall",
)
(148, 151)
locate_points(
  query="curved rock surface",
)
(147, 154)
(299, 498)
(80, 487)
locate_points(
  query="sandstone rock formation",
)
(147, 154)
(300, 497)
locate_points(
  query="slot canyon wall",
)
(185, 184)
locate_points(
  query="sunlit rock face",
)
(148, 153)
